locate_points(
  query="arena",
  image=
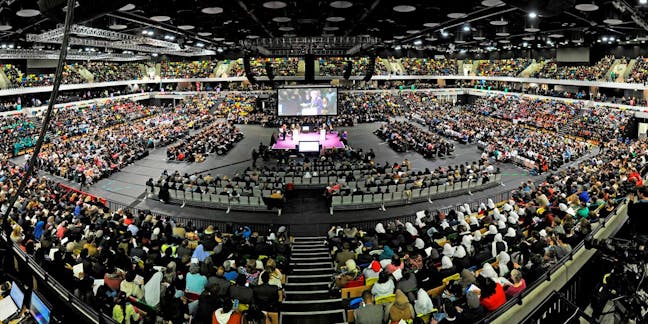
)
(325, 161)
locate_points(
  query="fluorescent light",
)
(418, 42)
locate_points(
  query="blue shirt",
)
(196, 283)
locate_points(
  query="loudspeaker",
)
(371, 68)
(248, 70)
(347, 70)
(269, 71)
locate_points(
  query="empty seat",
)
(347, 200)
(336, 201)
(367, 198)
(357, 199)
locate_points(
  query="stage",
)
(332, 141)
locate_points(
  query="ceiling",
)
(470, 25)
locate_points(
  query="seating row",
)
(406, 196)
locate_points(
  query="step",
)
(310, 263)
(308, 276)
(311, 254)
(309, 238)
(306, 259)
(317, 283)
(313, 317)
(304, 292)
(308, 245)
(317, 301)
(309, 299)
(305, 249)
(314, 269)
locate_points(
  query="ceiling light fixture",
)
(160, 18)
(186, 27)
(466, 28)
(274, 4)
(28, 10)
(212, 10)
(341, 4)
(404, 8)
(127, 7)
(335, 19)
(586, 5)
(418, 42)
(281, 19)
(533, 15)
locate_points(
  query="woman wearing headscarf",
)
(460, 259)
(511, 237)
(384, 286)
(423, 304)
(447, 267)
(466, 242)
(490, 273)
(474, 223)
(448, 250)
(504, 264)
(380, 229)
(490, 235)
(498, 245)
(373, 270)
(411, 229)
(400, 309)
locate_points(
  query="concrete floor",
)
(128, 186)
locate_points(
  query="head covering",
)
(423, 303)
(477, 236)
(462, 208)
(571, 211)
(351, 265)
(488, 272)
(411, 229)
(501, 224)
(400, 309)
(507, 207)
(491, 204)
(460, 252)
(496, 213)
(543, 233)
(418, 243)
(375, 266)
(467, 208)
(498, 239)
(474, 220)
(380, 229)
(448, 250)
(504, 258)
(387, 253)
(510, 232)
(462, 222)
(492, 230)
(444, 224)
(446, 262)
(482, 206)
(562, 207)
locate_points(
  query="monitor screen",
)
(315, 101)
(39, 310)
(17, 295)
(309, 146)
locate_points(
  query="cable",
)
(69, 16)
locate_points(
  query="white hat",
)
(491, 204)
(482, 206)
(467, 208)
(562, 207)
(507, 207)
(571, 211)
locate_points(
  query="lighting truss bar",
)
(335, 45)
(28, 54)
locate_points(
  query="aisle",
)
(307, 295)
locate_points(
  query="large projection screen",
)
(307, 101)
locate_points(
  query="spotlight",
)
(643, 2)
(418, 42)
(533, 15)
(466, 28)
(444, 33)
(605, 39)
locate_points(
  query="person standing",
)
(368, 312)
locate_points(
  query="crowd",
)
(506, 67)
(138, 267)
(403, 137)
(428, 66)
(19, 79)
(465, 263)
(16, 134)
(193, 69)
(110, 71)
(639, 72)
(285, 66)
(551, 70)
(217, 138)
(571, 118)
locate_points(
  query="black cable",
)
(69, 16)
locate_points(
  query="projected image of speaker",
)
(307, 101)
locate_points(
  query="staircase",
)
(307, 287)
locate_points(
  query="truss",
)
(112, 39)
(28, 54)
(335, 45)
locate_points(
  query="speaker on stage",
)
(347, 70)
(248, 69)
(371, 68)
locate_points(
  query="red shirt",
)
(495, 300)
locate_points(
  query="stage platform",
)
(332, 141)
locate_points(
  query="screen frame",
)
(302, 87)
(15, 285)
(299, 147)
(47, 305)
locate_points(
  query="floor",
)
(307, 214)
